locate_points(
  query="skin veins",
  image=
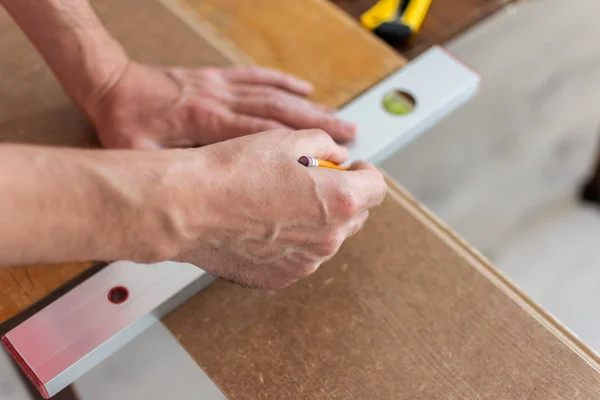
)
(251, 246)
(326, 215)
(187, 205)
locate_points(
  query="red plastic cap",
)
(25, 367)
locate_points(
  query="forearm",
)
(79, 50)
(60, 205)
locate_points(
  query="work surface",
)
(405, 311)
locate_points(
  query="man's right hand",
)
(246, 210)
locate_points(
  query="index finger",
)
(318, 144)
(267, 76)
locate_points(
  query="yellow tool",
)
(395, 20)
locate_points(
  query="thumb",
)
(360, 165)
(318, 144)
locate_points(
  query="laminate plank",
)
(423, 319)
(311, 39)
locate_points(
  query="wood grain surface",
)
(22, 286)
(445, 20)
(311, 39)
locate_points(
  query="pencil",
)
(315, 162)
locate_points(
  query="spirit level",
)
(70, 336)
(437, 83)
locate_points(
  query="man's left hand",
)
(157, 107)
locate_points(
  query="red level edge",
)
(25, 367)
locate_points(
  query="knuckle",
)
(307, 269)
(269, 93)
(383, 189)
(275, 284)
(313, 136)
(333, 124)
(292, 274)
(275, 107)
(208, 71)
(284, 80)
(319, 134)
(286, 137)
(210, 74)
(280, 134)
(254, 71)
(346, 202)
(330, 244)
(159, 252)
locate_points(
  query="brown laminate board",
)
(311, 39)
(403, 312)
(445, 20)
(34, 109)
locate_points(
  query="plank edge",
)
(491, 273)
(203, 28)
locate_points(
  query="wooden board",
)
(445, 20)
(404, 311)
(311, 39)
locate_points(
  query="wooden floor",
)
(504, 170)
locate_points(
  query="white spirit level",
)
(79, 330)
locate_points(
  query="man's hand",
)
(246, 210)
(134, 105)
(154, 107)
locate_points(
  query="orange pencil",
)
(314, 162)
